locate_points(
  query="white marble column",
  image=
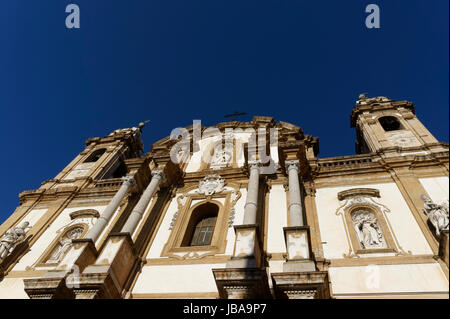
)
(251, 203)
(139, 209)
(295, 199)
(102, 221)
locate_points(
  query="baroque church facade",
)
(239, 210)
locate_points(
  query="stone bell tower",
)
(390, 128)
(103, 158)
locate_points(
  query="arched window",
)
(95, 156)
(390, 123)
(200, 229)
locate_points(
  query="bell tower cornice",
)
(365, 105)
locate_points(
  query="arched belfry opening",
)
(201, 226)
(95, 156)
(390, 123)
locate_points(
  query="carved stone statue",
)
(221, 157)
(64, 245)
(11, 239)
(368, 230)
(438, 215)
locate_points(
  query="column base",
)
(299, 266)
(52, 287)
(242, 283)
(297, 240)
(57, 283)
(301, 285)
(107, 277)
(247, 250)
(241, 262)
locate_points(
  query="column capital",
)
(254, 164)
(129, 179)
(159, 173)
(292, 164)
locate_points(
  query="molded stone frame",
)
(46, 255)
(363, 198)
(174, 248)
(381, 222)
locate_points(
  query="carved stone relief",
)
(363, 222)
(222, 156)
(438, 214)
(367, 228)
(64, 244)
(211, 185)
(403, 138)
(12, 237)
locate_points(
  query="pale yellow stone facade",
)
(117, 223)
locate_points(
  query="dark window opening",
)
(95, 156)
(120, 171)
(390, 123)
(200, 229)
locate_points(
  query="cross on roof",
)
(235, 115)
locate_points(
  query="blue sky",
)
(172, 61)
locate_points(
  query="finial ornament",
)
(362, 96)
(142, 124)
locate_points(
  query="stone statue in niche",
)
(211, 184)
(64, 245)
(221, 157)
(11, 239)
(368, 230)
(438, 215)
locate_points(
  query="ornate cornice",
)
(370, 192)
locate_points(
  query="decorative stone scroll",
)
(208, 186)
(211, 185)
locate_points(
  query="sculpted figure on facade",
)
(221, 157)
(368, 230)
(64, 245)
(438, 215)
(11, 239)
